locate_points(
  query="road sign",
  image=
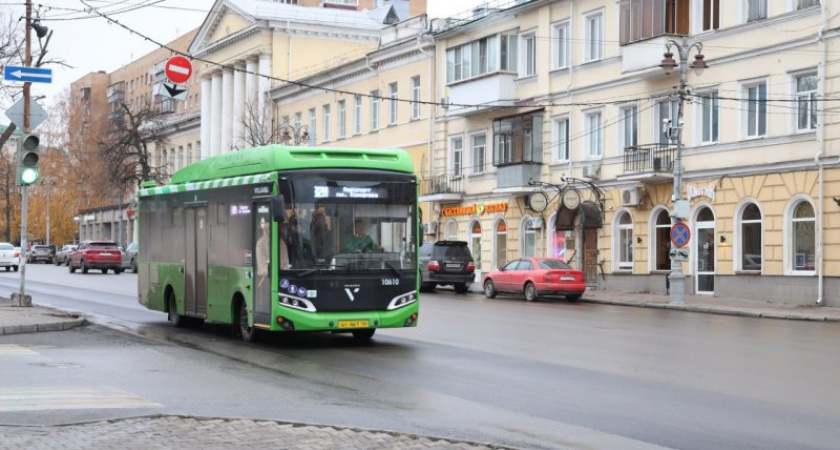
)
(178, 69)
(171, 90)
(680, 234)
(679, 254)
(37, 114)
(31, 74)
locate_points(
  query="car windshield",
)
(101, 245)
(550, 264)
(6, 247)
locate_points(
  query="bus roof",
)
(272, 158)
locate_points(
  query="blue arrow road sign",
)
(31, 74)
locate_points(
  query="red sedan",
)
(535, 277)
(101, 255)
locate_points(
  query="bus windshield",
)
(348, 222)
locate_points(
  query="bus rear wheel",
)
(247, 332)
(364, 335)
(175, 319)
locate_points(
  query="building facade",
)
(566, 98)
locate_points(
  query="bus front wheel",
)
(245, 331)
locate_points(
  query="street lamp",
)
(294, 134)
(681, 206)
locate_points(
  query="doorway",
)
(704, 252)
(195, 262)
(590, 256)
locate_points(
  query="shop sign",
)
(704, 191)
(477, 208)
(89, 217)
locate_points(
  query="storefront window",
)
(475, 243)
(803, 239)
(528, 237)
(451, 232)
(663, 240)
(625, 241)
(751, 238)
(501, 243)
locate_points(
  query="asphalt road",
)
(544, 375)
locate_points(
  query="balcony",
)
(515, 177)
(487, 91)
(649, 164)
(645, 27)
(442, 189)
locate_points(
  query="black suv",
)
(45, 253)
(446, 263)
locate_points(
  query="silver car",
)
(9, 256)
(129, 257)
(62, 256)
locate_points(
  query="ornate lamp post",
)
(681, 206)
(293, 134)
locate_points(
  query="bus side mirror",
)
(278, 209)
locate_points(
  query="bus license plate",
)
(353, 324)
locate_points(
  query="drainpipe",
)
(569, 90)
(818, 159)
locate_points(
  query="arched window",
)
(501, 243)
(662, 235)
(558, 239)
(803, 241)
(475, 243)
(528, 237)
(750, 245)
(624, 241)
(451, 232)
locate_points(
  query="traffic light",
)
(27, 160)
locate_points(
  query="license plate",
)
(453, 266)
(353, 324)
(105, 254)
(567, 278)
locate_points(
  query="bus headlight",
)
(402, 300)
(300, 303)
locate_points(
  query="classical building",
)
(567, 99)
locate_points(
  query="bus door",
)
(195, 276)
(262, 263)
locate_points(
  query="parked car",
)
(446, 263)
(62, 256)
(102, 255)
(41, 253)
(129, 257)
(534, 277)
(9, 256)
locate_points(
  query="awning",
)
(565, 219)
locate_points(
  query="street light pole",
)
(681, 206)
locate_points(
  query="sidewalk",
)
(16, 319)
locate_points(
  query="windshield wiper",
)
(394, 268)
(317, 268)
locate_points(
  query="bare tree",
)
(128, 145)
(258, 130)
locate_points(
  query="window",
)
(508, 53)
(529, 55)
(326, 116)
(667, 110)
(756, 10)
(711, 15)
(480, 57)
(528, 237)
(415, 97)
(392, 104)
(451, 231)
(501, 243)
(342, 119)
(312, 123)
(757, 110)
(475, 243)
(456, 152)
(562, 139)
(180, 162)
(750, 229)
(806, 102)
(190, 154)
(644, 19)
(561, 46)
(592, 131)
(662, 233)
(357, 119)
(624, 244)
(803, 257)
(808, 3)
(594, 37)
(710, 127)
(479, 152)
(629, 126)
(298, 120)
(374, 110)
(517, 140)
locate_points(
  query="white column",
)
(264, 84)
(251, 84)
(227, 109)
(216, 114)
(238, 104)
(206, 98)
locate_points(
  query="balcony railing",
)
(441, 184)
(651, 158)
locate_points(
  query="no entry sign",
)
(178, 69)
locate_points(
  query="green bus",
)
(270, 239)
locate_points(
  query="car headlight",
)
(295, 302)
(402, 300)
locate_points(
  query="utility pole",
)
(22, 298)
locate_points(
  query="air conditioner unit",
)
(592, 172)
(535, 223)
(429, 227)
(632, 196)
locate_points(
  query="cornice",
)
(228, 41)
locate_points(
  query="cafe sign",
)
(477, 209)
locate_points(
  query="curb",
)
(712, 310)
(49, 326)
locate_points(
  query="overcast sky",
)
(88, 43)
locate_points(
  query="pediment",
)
(224, 20)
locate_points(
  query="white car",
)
(9, 256)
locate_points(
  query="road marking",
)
(15, 350)
(47, 398)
